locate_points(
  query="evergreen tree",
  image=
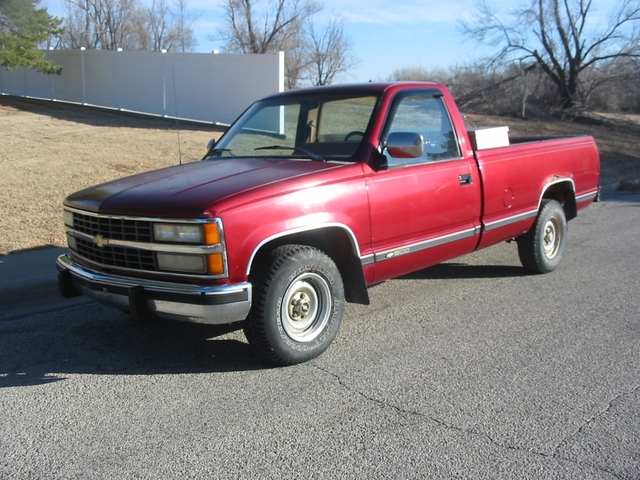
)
(23, 28)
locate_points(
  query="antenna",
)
(175, 103)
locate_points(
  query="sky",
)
(386, 35)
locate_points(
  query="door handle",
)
(465, 179)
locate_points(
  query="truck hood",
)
(188, 191)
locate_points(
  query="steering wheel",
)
(353, 133)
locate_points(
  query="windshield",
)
(321, 127)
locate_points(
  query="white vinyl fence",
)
(205, 87)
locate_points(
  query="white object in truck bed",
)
(489, 137)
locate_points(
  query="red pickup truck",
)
(313, 195)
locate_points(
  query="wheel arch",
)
(335, 240)
(562, 190)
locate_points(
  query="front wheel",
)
(298, 304)
(541, 248)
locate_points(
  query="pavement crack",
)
(385, 404)
(565, 441)
(556, 456)
(595, 417)
(415, 413)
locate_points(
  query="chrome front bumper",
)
(147, 298)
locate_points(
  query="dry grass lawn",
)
(50, 150)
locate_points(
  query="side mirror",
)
(210, 146)
(405, 145)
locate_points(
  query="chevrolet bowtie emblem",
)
(100, 241)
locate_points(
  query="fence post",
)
(164, 83)
(119, 68)
(82, 49)
(214, 73)
(53, 87)
(281, 71)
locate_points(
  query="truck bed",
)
(516, 177)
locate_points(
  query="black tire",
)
(298, 304)
(541, 248)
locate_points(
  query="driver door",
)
(424, 209)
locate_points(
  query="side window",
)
(337, 126)
(345, 120)
(427, 116)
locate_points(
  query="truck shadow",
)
(91, 339)
(454, 270)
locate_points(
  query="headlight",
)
(68, 218)
(194, 234)
(181, 263)
(168, 232)
(71, 241)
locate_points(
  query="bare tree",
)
(560, 37)
(330, 53)
(103, 24)
(113, 24)
(159, 29)
(620, 91)
(269, 26)
(119, 24)
(79, 26)
(296, 61)
(419, 74)
(528, 82)
(183, 26)
(170, 28)
(265, 26)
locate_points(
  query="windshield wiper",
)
(312, 156)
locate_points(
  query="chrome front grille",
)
(113, 228)
(128, 244)
(121, 257)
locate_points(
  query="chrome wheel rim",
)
(306, 307)
(551, 238)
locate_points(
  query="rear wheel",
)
(298, 304)
(541, 248)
